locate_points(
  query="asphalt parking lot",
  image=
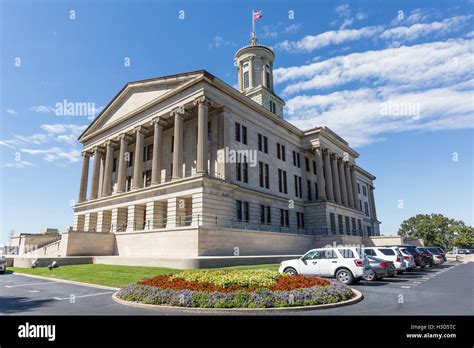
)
(443, 290)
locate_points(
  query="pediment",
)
(135, 95)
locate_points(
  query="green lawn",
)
(111, 275)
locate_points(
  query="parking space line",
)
(80, 296)
(31, 284)
(406, 287)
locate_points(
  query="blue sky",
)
(394, 78)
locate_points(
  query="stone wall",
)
(87, 244)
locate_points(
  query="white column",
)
(178, 143)
(350, 192)
(122, 162)
(138, 161)
(251, 72)
(319, 174)
(328, 174)
(95, 173)
(354, 188)
(109, 162)
(372, 203)
(158, 125)
(342, 182)
(335, 179)
(202, 151)
(84, 177)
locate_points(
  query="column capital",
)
(178, 112)
(333, 156)
(125, 137)
(202, 100)
(85, 154)
(140, 129)
(98, 150)
(111, 143)
(158, 121)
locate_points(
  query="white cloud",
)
(55, 153)
(36, 139)
(11, 112)
(405, 34)
(275, 30)
(334, 37)
(396, 35)
(42, 109)
(407, 67)
(63, 128)
(357, 115)
(18, 164)
(219, 41)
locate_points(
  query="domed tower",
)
(255, 75)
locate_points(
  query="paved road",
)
(446, 290)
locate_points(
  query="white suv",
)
(389, 254)
(345, 264)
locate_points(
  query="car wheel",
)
(290, 271)
(344, 276)
(370, 276)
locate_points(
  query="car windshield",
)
(387, 251)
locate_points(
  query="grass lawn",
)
(111, 275)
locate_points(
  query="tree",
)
(437, 230)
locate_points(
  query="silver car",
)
(408, 259)
(3, 264)
(379, 268)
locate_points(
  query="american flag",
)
(257, 15)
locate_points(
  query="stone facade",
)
(179, 155)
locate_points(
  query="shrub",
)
(230, 278)
(261, 298)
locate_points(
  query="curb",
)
(73, 282)
(358, 297)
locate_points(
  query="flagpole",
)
(253, 24)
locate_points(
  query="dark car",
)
(427, 256)
(438, 251)
(417, 255)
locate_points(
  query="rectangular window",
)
(294, 158)
(128, 183)
(332, 219)
(237, 132)
(296, 186)
(260, 142)
(265, 144)
(265, 214)
(238, 210)
(147, 178)
(306, 162)
(300, 187)
(364, 190)
(246, 211)
(267, 176)
(298, 160)
(354, 228)
(358, 187)
(280, 181)
(283, 153)
(359, 225)
(238, 171)
(209, 131)
(314, 167)
(284, 217)
(172, 143)
(149, 153)
(369, 230)
(130, 159)
(246, 75)
(340, 223)
(114, 169)
(262, 214)
(300, 220)
(269, 215)
(260, 174)
(310, 195)
(316, 195)
(278, 151)
(366, 208)
(244, 135)
(245, 170)
(285, 186)
(348, 225)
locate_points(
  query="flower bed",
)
(235, 289)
